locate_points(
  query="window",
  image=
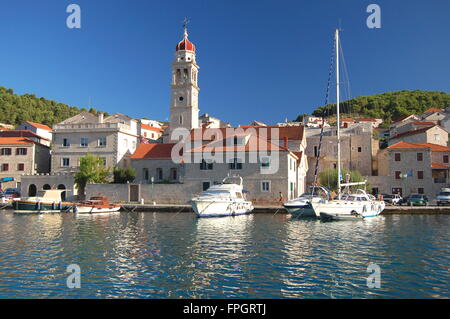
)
(265, 186)
(84, 142)
(21, 167)
(397, 157)
(397, 175)
(445, 159)
(235, 140)
(146, 174)
(359, 149)
(420, 157)
(5, 167)
(420, 190)
(204, 166)
(102, 141)
(103, 161)
(65, 162)
(235, 164)
(205, 185)
(316, 151)
(159, 173)
(173, 174)
(419, 174)
(5, 151)
(66, 142)
(437, 137)
(181, 119)
(21, 151)
(265, 162)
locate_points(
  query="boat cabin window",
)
(238, 195)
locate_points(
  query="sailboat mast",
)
(338, 123)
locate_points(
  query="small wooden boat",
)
(95, 205)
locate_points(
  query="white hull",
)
(218, 208)
(348, 210)
(96, 210)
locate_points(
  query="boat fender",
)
(53, 206)
(60, 205)
(38, 205)
(75, 208)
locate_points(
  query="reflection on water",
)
(163, 255)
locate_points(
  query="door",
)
(134, 193)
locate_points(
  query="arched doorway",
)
(63, 194)
(46, 186)
(32, 190)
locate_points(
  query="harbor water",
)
(170, 255)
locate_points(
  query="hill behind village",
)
(15, 109)
(388, 106)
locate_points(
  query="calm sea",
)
(164, 255)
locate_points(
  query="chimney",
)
(100, 117)
(286, 144)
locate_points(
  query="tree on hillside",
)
(389, 106)
(92, 170)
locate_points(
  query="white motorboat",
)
(225, 199)
(346, 206)
(301, 206)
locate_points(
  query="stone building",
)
(113, 138)
(429, 134)
(415, 168)
(41, 130)
(358, 149)
(21, 155)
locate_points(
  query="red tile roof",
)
(423, 123)
(38, 125)
(367, 119)
(15, 140)
(407, 145)
(414, 132)
(439, 166)
(347, 120)
(151, 128)
(21, 133)
(161, 151)
(254, 144)
(433, 110)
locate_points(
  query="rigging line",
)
(327, 94)
(347, 80)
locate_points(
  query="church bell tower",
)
(184, 88)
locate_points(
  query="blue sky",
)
(260, 60)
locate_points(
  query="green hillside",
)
(15, 109)
(390, 105)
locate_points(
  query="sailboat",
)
(346, 206)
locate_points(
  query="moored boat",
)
(95, 205)
(49, 202)
(301, 206)
(225, 199)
